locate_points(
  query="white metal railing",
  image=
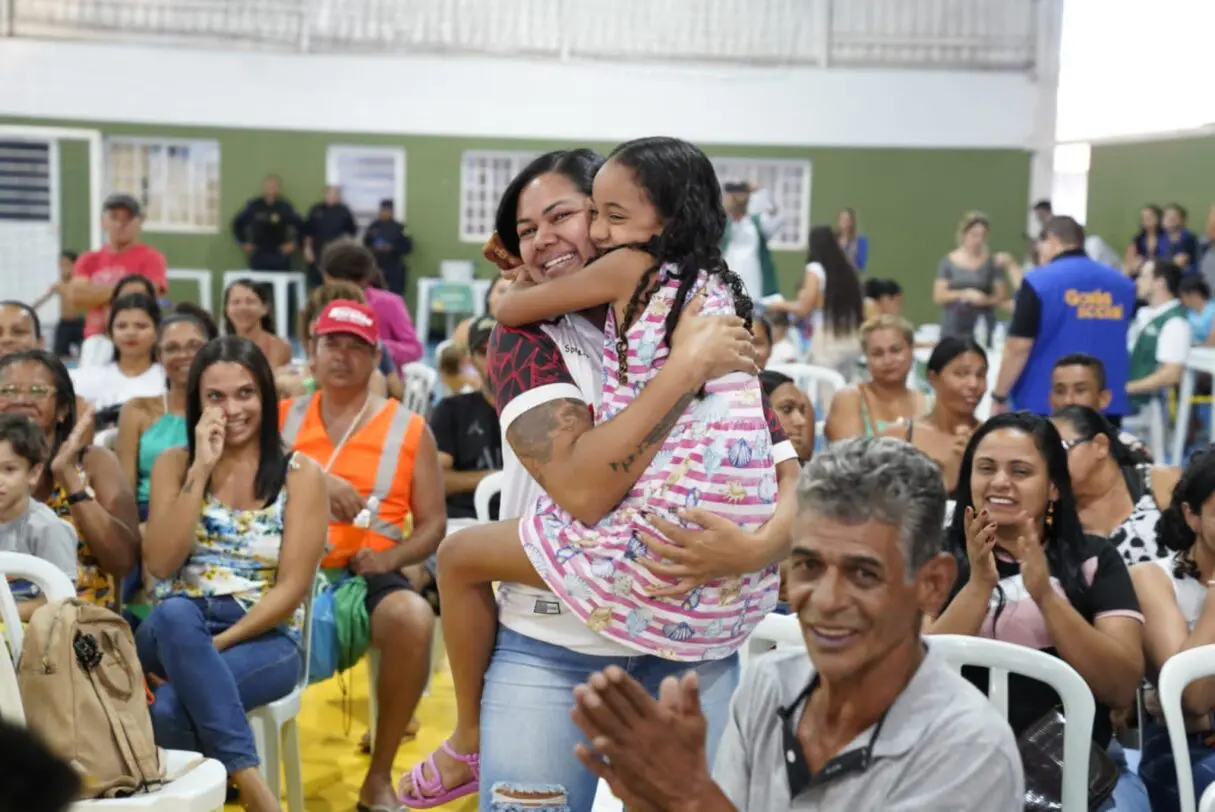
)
(950, 34)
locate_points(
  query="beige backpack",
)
(83, 692)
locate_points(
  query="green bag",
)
(353, 624)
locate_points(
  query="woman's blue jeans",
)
(1159, 774)
(527, 736)
(202, 705)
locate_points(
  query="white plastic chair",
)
(419, 381)
(1152, 417)
(1079, 707)
(106, 437)
(276, 728)
(201, 789)
(1178, 672)
(486, 490)
(781, 631)
(819, 383)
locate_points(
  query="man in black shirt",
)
(388, 241)
(266, 229)
(467, 433)
(327, 221)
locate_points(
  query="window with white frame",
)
(177, 181)
(367, 176)
(484, 176)
(782, 184)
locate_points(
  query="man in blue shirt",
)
(1070, 304)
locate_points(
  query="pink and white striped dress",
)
(717, 457)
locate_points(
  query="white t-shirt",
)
(742, 255)
(528, 367)
(104, 386)
(1173, 343)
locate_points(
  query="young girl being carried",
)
(717, 455)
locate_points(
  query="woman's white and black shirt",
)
(1135, 538)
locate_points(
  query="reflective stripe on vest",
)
(296, 413)
(386, 472)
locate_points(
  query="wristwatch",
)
(1001, 399)
(85, 495)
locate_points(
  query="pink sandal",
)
(435, 793)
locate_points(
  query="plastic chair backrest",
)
(813, 380)
(42, 574)
(306, 634)
(487, 489)
(419, 381)
(1079, 707)
(1179, 671)
(774, 630)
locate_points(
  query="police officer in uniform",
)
(327, 221)
(266, 229)
(387, 239)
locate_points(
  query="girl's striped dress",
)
(718, 457)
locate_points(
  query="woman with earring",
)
(1028, 574)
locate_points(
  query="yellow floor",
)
(333, 765)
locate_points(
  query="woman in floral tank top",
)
(712, 453)
(84, 483)
(237, 527)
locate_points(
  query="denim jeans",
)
(1129, 793)
(202, 705)
(527, 736)
(1160, 776)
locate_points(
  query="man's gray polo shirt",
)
(942, 747)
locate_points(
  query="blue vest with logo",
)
(1086, 307)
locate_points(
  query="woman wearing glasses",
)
(84, 483)
(1119, 493)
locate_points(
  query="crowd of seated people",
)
(236, 475)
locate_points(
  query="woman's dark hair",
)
(577, 165)
(29, 311)
(264, 295)
(1063, 539)
(65, 393)
(72, 255)
(1173, 532)
(133, 301)
(272, 465)
(1180, 209)
(951, 347)
(843, 299)
(345, 260)
(194, 314)
(1154, 209)
(770, 380)
(1089, 423)
(135, 279)
(680, 182)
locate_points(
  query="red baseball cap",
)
(344, 316)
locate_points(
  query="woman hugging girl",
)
(658, 200)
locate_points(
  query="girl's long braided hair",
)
(680, 181)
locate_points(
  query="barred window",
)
(787, 186)
(484, 176)
(367, 176)
(176, 181)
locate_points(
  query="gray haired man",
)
(873, 719)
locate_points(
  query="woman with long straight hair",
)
(1029, 574)
(237, 527)
(829, 304)
(248, 313)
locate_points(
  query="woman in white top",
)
(134, 372)
(1178, 603)
(829, 304)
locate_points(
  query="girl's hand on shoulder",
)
(712, 346)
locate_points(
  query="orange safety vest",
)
(377, 460)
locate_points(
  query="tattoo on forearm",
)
(656, 435)
(533, 435)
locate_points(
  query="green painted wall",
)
(909, 200)
(1123, 177)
